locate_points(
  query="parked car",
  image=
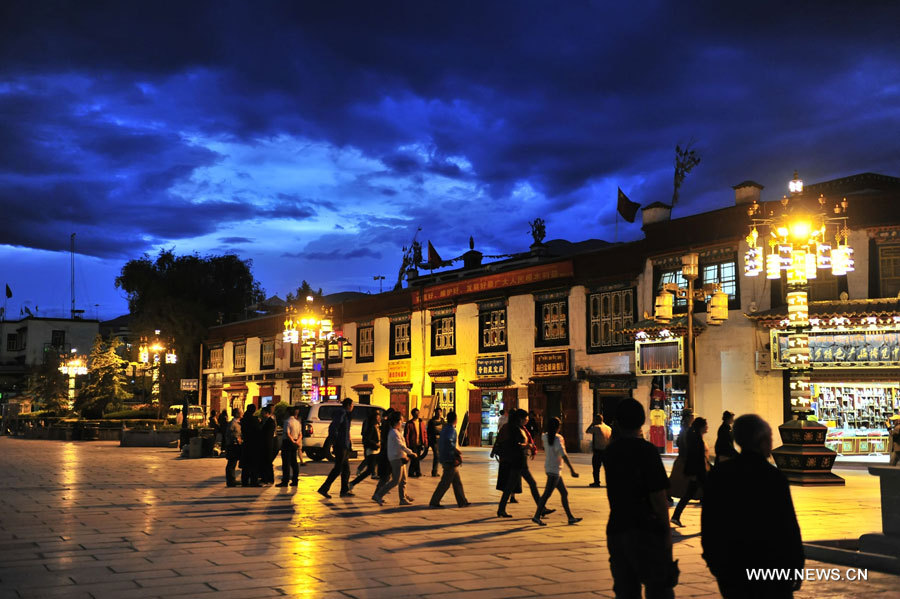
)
(195, 414)
(316, 419)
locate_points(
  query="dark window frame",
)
(360, 358)
(539, 340)
(484, 317)
(234, 354)
(880, 265)
(447, 351)
(263, 365)
(680, 305)
(392, 354)
(625, 345)
(58, 343)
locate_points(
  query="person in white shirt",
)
(555, 455)
(398, 456)
(291, 440)
(600, 434)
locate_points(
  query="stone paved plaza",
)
(96, 520)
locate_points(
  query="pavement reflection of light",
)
(69, 464)
(303, 546)
(150, 500)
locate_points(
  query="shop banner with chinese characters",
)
(840, 348)
(525, 276)
(398, 371)
(491, 367)
(551, 363)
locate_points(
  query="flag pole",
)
(617, 226)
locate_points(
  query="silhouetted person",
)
(223, 426)
(267, 450)
(233, 442)
(339, 433)
(371, 438)
(555, 455)
(450, 457)
(696, 463)
(398, 455)
(600, 434)
(416, 440)
(291, 439)
(725, 439)
(250, 430)
(748, 518)
(435, 425)
(384, 464)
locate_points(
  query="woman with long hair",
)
(555, 455)
(696, 464)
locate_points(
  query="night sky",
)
(315, 137)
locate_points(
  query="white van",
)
(317, 418)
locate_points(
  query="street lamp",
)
(74, 366)
(800, 244)
(716, 314)
(151, 353)
(317, 339)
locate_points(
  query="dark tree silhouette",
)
(685, 160)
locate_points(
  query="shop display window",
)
(491, 404)
(856, 415)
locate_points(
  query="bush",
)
(146, 413)
(279, 410)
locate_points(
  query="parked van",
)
(317, 418)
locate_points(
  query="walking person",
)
(416, 439)
(291, 438)
(555, 455)
(223, 427)
(339, 433)
(435, 426)
(451, 459)
(398, 455)
(748, 520)
(513, 456)
(371, 447)
(530, 453)
(267, 451)
(250, 431)
(895, 439)
(725, 439)
(639, 538)
(696, 464)
(600, 434)
(383, 463)
(233, 442)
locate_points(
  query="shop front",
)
(608, 390)
(363, 392)
(854, 372)
(235, 394)
(399, 385)
(553, 394)
(492, 394)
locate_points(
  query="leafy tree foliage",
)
(303, 291)
(106, 388)
(49, 386)
(182, 296)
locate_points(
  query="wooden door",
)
(569, 408)
(537, 403)
(510, 399)
(400, 402)
(473, 430)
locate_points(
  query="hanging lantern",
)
(325, 326)
(664, 303)
(786, 255)
(346, 350)
(773, 266)
(849, 262)
(171, 358)
(292, 336)
(811, 271)
(306, 352)
(753, 262)
(320, 352)
(798, 309)
(144, 355)
(839, 261)
(718, 308)
(797, 270)
(823, 255)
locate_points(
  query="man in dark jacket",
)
(748, 518)
(725, 439)
(435, 425)
(339, 433)
(250, 432)
(416, 439)
(371, 437)
(267, 450)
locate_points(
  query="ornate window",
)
(492, 327)
(400, 339)
(365, 343)
(608, 313)
(239, 360)
(267, 354)
(216, 357)
(443, 334)
(889, 270)
(552, 320)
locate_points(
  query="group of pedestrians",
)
(744, 496)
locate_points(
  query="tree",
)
(182, 296)
(106, 388)
(686, 159)
(49, 386)
(304, 291)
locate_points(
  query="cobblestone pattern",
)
(95, 520)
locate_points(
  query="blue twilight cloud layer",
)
(315, 138)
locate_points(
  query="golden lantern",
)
(773, 266)
(346, 350)
(665, 301)
(689, 265)
(796, 274)
(798, 309)
(718, 308)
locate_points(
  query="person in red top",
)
(416, 437)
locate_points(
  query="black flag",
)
(626, 207)
(8, 291)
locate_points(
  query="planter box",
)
(144, 438)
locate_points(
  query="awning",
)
(398, 385)
(235, 386)
(446, 372)
(504, 382)
(363, 387)
(677, 326)
(883, 310)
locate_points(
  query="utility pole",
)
(72, 273)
